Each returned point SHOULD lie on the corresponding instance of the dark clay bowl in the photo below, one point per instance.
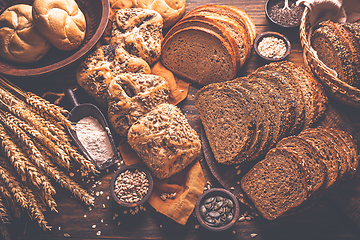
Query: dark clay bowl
(272, 34)
(271, 3)
(96, 13)
(131, 167)
(217, 192)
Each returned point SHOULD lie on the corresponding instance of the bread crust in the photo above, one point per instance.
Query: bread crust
(61, 22)
(20, 41)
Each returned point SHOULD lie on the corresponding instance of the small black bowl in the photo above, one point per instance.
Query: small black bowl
(213, 192)
(271, 3)
(132, 168)
(272, 34)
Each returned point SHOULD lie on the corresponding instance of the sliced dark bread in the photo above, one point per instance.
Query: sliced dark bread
(328, 154)
(331, 51)
(259, 123)
(352, 147)
(292, 87)
(228, 120)
(279, 85)
(339, 145)
(199, 55)
(212, 25)
(265, 114)
(310, 157)
(276, 184)
(280, 122)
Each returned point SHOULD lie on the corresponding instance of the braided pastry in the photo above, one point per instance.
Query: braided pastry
(99, 68)
(131, 96)
(139, 31)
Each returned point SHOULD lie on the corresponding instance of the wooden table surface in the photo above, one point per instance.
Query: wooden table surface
(325, 220)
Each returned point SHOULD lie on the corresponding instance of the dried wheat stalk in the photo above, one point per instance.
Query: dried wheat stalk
(4, 220)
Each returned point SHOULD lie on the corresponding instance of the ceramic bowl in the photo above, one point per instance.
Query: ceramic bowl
(96, 13)
(261, 36)
(270, 3)
(216, 192)
(131, 168)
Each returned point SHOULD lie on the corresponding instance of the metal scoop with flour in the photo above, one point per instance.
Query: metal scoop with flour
(87, 111)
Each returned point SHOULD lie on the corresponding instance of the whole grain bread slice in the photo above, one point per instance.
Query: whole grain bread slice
(328, 154)
(199, 55)
(310, 158)
(276, 184)
(228, 120)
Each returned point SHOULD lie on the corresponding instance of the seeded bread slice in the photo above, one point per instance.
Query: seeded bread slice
(276, 184)
(310, 158)
(228, 120)
(327, 152)
(333, 53)
(199, 55)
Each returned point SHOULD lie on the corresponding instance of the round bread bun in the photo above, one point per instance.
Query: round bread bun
(20, 41)
(61, 22)
(170, 10)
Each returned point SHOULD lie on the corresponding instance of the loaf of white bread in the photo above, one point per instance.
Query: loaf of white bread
(61, 22)
(20, 41)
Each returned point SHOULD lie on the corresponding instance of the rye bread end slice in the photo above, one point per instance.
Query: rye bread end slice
(328, 154)
(199, 55)
(276, 184)
(228, 120)
(311, 159)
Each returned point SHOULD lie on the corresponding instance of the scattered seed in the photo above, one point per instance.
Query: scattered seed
(90, 209)
(119, 223)
(197, 226)
(242, 218)
(103, 205)
(160, 225)
(59, 228)
(98, 233)
(71, 174)
(93, 226)
(115, 216)
(125, 212)
(85, 216)
(233, 232)
(107, 197)
(253, 235)
(102, 220)
(232, 188)
(97, 194)
(66, 235)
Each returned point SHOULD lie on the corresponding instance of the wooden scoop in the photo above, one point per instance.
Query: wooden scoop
(81, 111)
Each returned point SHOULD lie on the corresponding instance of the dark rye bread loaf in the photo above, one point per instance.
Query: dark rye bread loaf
(228, 120)
(328, 154)
(331, 50)
(310, 158)
(276, 184)
(199, 55)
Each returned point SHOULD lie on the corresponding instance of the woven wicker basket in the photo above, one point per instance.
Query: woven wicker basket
(336, 88)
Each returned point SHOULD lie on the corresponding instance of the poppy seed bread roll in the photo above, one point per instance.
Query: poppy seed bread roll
(164, 140)
(61, 22)
(20, 41)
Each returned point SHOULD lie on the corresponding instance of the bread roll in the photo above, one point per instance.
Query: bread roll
(139, 31)
(61, 22)
(20, 40)
(133, 95)
(170, 10)
(165, 141)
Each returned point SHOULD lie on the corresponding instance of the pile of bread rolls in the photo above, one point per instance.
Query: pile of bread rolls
(27, 32)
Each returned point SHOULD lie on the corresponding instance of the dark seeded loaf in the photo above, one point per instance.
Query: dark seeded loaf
(199, 55)
(276, 184)
(228, 120)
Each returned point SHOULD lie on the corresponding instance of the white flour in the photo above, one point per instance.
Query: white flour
(94, 139)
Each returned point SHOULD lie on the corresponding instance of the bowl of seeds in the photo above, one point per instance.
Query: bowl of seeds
(131, 185)
(272, 46)
(284, 13)
(217, 209)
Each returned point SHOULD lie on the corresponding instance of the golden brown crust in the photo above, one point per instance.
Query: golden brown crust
(165, 141)
(96, 72)
(20, 41)
(131, 95)
(138, 31)
(61, 22)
